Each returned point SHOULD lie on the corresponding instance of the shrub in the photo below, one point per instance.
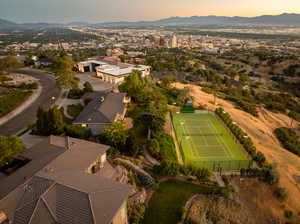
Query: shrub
(166, 145)
(74, 110)
(288, 214)
(153, 147)
(167, 168)
(135, 213)
(288, 139)
(113, 152)
(87, 87)
(146, 181)
(281, 193)
(271, 175)
(75, 93)
(76, 131)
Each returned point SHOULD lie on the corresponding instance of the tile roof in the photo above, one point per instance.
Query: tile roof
(60, 191)
(102, 109)
(61, 198)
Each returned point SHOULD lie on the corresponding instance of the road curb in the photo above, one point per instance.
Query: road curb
(22, 107)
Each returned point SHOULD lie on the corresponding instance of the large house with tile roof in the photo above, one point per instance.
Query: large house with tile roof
(57, 186)
(102, 110)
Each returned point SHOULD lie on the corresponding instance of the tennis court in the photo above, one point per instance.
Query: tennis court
(204, 141)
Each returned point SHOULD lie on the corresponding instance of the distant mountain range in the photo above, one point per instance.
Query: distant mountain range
(283, 19)
(291, 19)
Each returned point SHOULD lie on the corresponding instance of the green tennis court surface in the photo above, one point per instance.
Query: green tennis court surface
(205, 142)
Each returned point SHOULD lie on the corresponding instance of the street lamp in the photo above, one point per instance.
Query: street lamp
(52, 100)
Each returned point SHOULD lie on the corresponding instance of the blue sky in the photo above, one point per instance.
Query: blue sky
(132, 10)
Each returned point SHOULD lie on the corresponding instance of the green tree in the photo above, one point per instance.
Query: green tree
(63, 67)
(42, 122)
(244, 79)
(153, 147)
(133, 86)
(133, 145)
(115, 135)
(87, 87)
(56, 121)
(150, 121)
(49, 122)
(10, 147)
(8, 64)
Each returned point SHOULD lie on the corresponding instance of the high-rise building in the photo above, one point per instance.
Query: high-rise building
(174, 43)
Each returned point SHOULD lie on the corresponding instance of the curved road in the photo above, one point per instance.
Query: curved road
(49, 90)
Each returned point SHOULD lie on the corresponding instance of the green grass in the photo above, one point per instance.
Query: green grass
(201, 147)
(10, 99)
(166, 204)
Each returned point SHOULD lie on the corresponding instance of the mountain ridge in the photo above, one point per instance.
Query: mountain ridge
(282, 19)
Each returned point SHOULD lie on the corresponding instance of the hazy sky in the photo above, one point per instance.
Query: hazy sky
(131, 10)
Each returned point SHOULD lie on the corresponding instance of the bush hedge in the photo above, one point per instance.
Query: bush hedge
(266, 171)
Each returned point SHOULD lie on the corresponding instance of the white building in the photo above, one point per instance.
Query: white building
(112, 72)
(174, 43)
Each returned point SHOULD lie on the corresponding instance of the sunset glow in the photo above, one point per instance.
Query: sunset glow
(132, 10)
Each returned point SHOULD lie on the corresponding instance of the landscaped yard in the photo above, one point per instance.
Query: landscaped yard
(166, 204)
(11, 98)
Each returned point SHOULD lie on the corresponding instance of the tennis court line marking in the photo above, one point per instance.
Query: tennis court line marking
(222, 142)
(186, 132)
(191, 142)
(208, 124)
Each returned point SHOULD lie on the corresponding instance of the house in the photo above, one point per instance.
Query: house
(112, 72)
(102, 110)
(58, 186)
(44, 62)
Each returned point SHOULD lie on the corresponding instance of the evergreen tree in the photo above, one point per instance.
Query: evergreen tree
(88, 88)
(49, 122)
(55, 121)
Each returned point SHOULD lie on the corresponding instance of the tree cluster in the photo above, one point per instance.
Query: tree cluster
(10, 147)
(266, 170)
(8, 64)
(242, 137)
(289, 139)
(49, 122)
(170, 168)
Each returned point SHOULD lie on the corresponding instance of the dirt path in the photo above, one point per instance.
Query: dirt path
(170, 130)
(261, 131)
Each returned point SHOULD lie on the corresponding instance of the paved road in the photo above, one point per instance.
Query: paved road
(21, 121)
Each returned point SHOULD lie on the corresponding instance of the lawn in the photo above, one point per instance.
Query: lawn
(205, 141)
(166, 204)
(10, 99)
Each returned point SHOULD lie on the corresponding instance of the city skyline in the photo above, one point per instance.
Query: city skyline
(134, 10)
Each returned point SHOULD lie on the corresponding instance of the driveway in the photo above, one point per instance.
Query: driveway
(97, 84)
(49, 90)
